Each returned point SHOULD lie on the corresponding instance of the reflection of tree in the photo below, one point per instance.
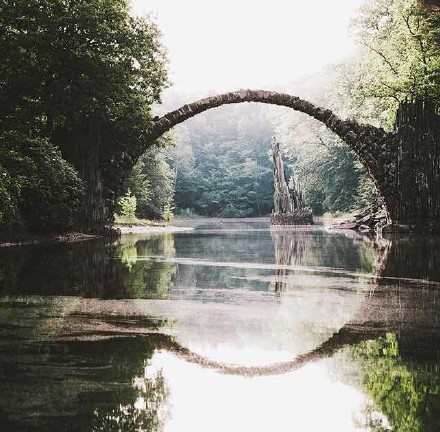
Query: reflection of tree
(98, 385)
(140, 276)
(47, 269)
(128, 254)
(143, 414)
(407, 394)
(311, 248)
(90, 268)
(138, 402)
(290, 249)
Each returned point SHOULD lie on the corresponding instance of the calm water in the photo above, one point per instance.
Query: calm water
(231, 327)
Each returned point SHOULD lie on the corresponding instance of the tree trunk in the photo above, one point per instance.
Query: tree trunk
(82, 148)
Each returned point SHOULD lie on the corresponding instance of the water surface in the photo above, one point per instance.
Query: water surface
(233, 326)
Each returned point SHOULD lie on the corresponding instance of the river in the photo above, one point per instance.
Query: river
(234, 326)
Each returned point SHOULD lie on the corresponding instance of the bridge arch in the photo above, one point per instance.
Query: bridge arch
(367, 142)
(348, 335)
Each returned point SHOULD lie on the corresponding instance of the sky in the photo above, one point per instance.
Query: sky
(225, 45)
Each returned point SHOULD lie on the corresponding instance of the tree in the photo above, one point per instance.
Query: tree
(152, 181)
(82, 74)
(128, 204)
(222, 165)
(39, 190)
(333, 180)
(399, 58)
(8, 204)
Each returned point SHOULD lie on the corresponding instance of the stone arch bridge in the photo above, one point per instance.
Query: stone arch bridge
(404, 164)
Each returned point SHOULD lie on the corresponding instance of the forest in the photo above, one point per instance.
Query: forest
(79, 82)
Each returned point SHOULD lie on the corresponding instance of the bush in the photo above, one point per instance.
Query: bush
(9, 215)
(43, 191)
(128, 204)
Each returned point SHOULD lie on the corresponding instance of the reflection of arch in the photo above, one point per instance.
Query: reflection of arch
(365, 140)
(347, 335)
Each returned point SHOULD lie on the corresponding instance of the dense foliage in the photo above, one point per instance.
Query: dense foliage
(398, 59)
(221, 163)
(152, 182)
(66, 60)
(405, 394)
(40, 188)
(81, 75)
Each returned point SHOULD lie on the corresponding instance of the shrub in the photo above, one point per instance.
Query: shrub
(128, 204)
(42, 191)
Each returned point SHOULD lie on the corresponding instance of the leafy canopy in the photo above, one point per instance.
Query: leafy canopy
(399, 58)
(80, 76)
(40, 189)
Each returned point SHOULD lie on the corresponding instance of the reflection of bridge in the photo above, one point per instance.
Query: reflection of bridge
(113, 327)
(388, 310)
(409, 311)
(347, 335)
(411, 314)
(408, 189)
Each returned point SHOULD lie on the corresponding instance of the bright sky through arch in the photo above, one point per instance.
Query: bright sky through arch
(230, 44)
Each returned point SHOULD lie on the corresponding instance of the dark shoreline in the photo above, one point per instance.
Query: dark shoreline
(34, 239)
(74, 236)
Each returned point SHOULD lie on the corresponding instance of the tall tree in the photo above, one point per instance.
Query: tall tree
(82, 74)
(399, 58)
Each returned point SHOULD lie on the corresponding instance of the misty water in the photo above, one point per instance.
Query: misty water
(234, 326)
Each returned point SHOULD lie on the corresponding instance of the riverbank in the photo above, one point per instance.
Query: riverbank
(32, 239)
(70, 237)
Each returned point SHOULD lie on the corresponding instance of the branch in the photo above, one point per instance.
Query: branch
(393, 69)
(390, 87)
(418, 38)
